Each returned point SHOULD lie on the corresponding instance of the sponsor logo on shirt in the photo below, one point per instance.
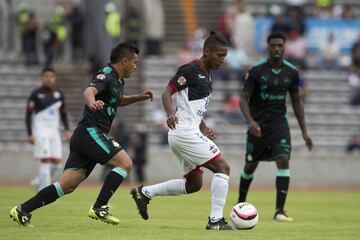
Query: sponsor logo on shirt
(41, 95)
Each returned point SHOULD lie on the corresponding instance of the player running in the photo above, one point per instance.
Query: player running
(263, 102)
(189, 137)
(91, 143)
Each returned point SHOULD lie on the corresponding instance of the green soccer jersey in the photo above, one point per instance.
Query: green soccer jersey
(268, 88)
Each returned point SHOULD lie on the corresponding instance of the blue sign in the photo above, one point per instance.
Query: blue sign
(346, 32)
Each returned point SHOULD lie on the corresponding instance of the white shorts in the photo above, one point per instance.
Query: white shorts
(193, 150)
(48, 146)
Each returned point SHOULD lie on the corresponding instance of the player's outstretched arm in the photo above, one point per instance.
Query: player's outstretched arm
(143, 96)
(89, 96)
(254, 127)
(300, 116)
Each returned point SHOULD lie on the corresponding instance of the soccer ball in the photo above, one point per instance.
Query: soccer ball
(244, 216)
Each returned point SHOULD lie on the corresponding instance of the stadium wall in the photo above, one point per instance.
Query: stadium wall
(306, 171)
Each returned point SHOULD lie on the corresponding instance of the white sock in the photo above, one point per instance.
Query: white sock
(219, 190)
(170, 188)
(44, 175)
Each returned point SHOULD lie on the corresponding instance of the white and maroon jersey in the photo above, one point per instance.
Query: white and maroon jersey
(193, 87)
(45, 108)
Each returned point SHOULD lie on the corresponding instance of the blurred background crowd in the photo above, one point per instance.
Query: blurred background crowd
(75, 37)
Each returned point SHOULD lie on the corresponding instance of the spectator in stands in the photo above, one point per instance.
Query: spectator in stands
(30, 30)
(77, 22)
(230, 109)
(347, 12)
(154, 26)
(295, 50)
(353, 144)
(354, 77)
(280, 24)
(330, 53)
(132, 23)
(49, 42)
(22, 18)
(226, 21)
(323, 9)
(243, 29)
(57, 25)
(112, 22)
(296, 20)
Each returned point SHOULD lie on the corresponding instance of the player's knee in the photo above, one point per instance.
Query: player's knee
(282, 162)
(224, 168)
(126, 164)
(68, 187)
(193, 187)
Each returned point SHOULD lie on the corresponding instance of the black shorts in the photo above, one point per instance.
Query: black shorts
(275, 141)
(89, 146)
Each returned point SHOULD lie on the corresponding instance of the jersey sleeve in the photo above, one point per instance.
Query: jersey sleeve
(30, 105)
(181, 80)
(63, 112)
(250, 81)
(99, 81)
(294, 87)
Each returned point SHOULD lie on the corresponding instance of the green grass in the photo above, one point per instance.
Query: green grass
(318, 215)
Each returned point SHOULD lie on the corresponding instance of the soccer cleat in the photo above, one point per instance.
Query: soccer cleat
(219, 225)
(281, 216)
(141, 201)
(103, 213)
(21, 217)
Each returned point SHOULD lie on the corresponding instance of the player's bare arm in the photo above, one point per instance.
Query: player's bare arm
(89, 96)
(254, 127)
(208, 132)
(143, 96)
(300, 116)
(167, 102)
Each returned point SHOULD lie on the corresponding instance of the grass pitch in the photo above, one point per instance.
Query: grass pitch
(318, 215)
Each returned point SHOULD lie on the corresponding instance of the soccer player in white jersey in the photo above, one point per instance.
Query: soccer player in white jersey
(45, 109)
(189, 137)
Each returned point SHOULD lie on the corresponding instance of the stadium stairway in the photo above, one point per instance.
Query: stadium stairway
(16, 82)
(331, 121)
(207, 13)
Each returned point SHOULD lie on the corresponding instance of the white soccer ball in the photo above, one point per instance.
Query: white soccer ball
(244, 216)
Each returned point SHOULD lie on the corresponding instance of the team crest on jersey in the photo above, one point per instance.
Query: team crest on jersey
(56, 94)
(101, 76)
(181, 80)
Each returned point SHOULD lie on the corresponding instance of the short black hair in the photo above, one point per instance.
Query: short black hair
(122, 50)
(276, 35)
(48, 69)
(215, 39)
